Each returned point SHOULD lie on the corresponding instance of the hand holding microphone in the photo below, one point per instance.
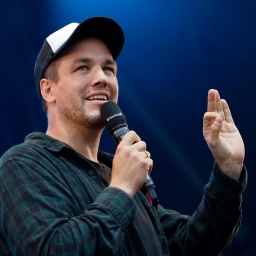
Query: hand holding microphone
(132, 163)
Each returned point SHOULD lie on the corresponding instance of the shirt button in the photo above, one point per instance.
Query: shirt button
(91, 172)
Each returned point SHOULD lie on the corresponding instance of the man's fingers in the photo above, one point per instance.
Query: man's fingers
(211, 104)
(227, 112)
(146, 153)
(219, 105)
(209, 118)
(215, 103)
(130, 138)
(150, 166)
(215, 131)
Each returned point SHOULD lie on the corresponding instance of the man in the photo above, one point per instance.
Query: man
(61, 196)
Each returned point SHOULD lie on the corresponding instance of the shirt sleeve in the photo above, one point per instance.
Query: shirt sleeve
(38, 215)
(210, 230)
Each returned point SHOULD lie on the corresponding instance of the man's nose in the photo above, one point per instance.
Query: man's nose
(99, 78)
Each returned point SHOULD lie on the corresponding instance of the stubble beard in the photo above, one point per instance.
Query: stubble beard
(80, 115)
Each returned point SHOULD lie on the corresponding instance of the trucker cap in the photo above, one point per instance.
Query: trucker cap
(103, 28)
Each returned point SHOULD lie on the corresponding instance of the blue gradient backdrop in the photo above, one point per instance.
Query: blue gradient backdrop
(175, 51)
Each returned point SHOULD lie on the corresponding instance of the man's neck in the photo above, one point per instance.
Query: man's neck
(85, 142)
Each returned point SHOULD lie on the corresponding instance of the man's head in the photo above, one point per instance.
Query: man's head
(105, 29)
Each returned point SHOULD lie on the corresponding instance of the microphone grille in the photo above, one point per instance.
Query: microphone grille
(112, 116)
(108, 109)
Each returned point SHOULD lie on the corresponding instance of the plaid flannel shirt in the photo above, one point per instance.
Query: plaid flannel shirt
(53, 203)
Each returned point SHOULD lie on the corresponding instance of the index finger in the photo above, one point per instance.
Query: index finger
(214, 102)
(130, 138)
(211, 104)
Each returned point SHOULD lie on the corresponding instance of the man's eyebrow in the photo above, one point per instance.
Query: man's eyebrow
(82, 60)
(88, 60)
(111, 62)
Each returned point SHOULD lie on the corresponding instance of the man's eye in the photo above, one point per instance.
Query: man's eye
(109, 69)
(82, 68)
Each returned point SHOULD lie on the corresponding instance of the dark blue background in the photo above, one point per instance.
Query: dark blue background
(175, 51)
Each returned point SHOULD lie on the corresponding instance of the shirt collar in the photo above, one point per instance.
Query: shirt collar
(54, 145)
(46, 141)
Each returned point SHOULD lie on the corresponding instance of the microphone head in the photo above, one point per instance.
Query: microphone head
(112, 116)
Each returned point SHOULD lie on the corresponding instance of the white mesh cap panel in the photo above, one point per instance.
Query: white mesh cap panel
(58, 38)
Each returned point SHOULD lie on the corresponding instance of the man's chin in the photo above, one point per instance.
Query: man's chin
(94, 122)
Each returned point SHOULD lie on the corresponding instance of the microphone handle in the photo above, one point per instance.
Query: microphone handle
(149, 187)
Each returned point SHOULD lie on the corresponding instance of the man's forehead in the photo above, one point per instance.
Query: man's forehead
(91, 45)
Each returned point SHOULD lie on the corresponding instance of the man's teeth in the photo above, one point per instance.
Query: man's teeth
(98, 97)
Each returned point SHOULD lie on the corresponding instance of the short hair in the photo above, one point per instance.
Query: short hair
(51, 73)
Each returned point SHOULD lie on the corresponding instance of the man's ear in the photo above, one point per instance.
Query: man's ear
(47, 90)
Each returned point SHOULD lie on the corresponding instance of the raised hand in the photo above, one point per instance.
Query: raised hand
(222, 136)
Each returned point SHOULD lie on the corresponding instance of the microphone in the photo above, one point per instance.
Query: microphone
(115, 122)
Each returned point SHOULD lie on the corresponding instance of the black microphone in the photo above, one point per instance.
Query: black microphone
(115, 122)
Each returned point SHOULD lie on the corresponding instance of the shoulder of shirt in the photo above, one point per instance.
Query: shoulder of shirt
(34, 142)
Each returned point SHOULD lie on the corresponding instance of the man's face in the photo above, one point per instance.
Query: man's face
(87, 79)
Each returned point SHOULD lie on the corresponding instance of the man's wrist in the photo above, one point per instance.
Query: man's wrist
(232, 170)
